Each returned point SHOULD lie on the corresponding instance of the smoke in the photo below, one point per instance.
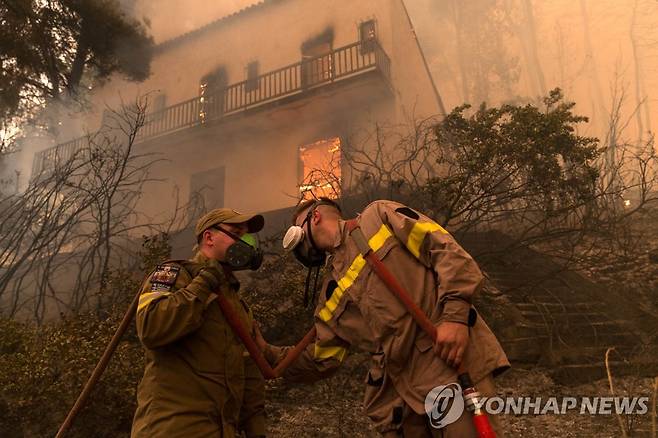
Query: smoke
(170, 18)
(491, 51)
(166, 19)
(57, 123)
(498, 51)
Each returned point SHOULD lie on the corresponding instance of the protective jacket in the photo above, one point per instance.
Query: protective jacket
(194, 378)
(356, 309)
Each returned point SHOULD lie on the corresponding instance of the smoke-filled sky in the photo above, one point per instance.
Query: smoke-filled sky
(510, 50)
(170, 18)
(596, 51)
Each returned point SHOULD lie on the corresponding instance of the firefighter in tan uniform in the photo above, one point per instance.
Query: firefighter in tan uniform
(198, 379)
(356, 308)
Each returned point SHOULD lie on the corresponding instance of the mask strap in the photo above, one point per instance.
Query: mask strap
(315, 285)
(310, 234)
(310, 270)
(228, 233)
(311, 294)
(306, 285)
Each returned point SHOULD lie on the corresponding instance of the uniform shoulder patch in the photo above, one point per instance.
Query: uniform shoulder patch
(164, 278)
(407, 212)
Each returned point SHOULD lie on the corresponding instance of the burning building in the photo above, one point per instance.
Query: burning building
(253, 110)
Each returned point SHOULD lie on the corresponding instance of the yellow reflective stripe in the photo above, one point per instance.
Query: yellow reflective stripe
(146, 298)
(375, 242)
(330, 352)
(418, 233)
(335, 298)
(351, 274)
(325, 313)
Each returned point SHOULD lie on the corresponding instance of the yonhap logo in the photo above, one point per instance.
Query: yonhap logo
(444, 405)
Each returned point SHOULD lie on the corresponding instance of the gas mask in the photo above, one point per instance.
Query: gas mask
(244, 253)
(305, 250)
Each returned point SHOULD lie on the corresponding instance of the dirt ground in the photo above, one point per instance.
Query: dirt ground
(332, 408)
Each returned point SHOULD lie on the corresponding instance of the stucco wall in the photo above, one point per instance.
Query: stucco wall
(272, 34)
(259, 149)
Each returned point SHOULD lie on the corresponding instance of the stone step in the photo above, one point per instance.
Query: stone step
(530, 349)
(542, 317)
(566, 299)
(549, 291)
(514, 276)
(593, 355)
(589, 339)
(580, 327)
(524, 349)
(574, 330)
(552, 306)
(582, 373)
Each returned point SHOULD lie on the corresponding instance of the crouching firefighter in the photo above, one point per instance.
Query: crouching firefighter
(355, 307)
(198, 380)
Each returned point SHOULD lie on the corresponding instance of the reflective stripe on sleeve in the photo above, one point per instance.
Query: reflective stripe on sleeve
(330, 352)
(418, 233)
(145, 299)
(375, 242)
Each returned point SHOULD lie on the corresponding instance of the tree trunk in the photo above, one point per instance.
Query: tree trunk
(456, 16)
(596, 90)
(79, 62)
(641, 98)
(533, 57)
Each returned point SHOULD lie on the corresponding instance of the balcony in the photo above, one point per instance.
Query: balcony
(298, 79)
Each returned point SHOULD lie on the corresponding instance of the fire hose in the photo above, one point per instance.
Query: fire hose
(470, 394)
(255, 353)
(100, 367)
(236, 326)
(472, 397)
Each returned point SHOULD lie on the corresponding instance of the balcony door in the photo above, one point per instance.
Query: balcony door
(211, 95)
(317, 64)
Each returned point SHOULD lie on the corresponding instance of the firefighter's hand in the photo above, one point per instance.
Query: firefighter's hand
(451, 341)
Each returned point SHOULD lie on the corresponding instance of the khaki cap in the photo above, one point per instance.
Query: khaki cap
(255, 222)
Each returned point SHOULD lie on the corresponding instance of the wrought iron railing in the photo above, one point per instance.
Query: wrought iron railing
(297, 78)
(47, 159)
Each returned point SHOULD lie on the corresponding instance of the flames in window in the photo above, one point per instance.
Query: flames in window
(320, 169)
(203, 88)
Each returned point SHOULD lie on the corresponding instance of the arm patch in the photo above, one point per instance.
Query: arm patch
(407, 212)
(164, 278)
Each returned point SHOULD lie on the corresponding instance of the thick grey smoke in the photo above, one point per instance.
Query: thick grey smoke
(494, 51)
(167, 19)
(170, 18)
(506, 51)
